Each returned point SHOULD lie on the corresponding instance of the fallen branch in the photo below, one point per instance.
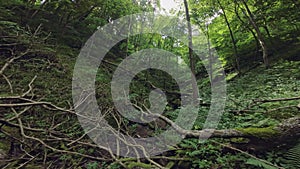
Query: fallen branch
(276, 100)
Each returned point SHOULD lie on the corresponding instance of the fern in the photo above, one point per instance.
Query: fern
(258, 163)
(189, 144)
(292, 157)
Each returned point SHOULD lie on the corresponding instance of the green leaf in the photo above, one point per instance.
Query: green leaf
(259, 163)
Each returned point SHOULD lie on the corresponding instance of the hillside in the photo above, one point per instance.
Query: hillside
(58, 113)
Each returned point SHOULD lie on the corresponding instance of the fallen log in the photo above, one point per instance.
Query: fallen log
(289, 128)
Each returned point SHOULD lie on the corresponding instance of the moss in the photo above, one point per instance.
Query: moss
(139, 164)
(264, 133)
(240, 140)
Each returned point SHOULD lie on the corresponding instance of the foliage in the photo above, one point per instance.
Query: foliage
(44, 37)
(292, 157)
(271, 16)
(260, 164)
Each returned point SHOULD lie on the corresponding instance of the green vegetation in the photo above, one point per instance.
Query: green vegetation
(264, 133)
(256, 41)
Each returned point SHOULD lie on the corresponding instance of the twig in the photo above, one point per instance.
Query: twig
(279, 108)
(29, 86)
(275, 100)
(12, 60)
(9, 83)
(28, 161)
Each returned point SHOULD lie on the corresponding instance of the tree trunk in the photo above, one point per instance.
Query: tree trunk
(232, 37)
(259, 35)
(191, 58)
(253, 33)
(288, 129)
(209, 54)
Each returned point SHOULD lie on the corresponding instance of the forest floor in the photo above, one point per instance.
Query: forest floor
(254, 99)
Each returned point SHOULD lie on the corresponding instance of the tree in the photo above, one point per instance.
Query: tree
(191, 57)
(231, 36)
(260, 36)
(247, 27)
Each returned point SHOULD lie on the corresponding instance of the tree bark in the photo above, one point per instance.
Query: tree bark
(252, 32)
(288, 129)
(191, 58)
(231, 36)
(259, 35)
(209, 54)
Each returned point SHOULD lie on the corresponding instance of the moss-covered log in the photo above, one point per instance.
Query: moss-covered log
(257, 139)
(289, 128)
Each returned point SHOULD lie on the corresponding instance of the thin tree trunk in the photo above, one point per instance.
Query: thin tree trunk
(253, 33)
(192, 61)
(259, 35)
(269, 36)
(231, 36)
(209, 54)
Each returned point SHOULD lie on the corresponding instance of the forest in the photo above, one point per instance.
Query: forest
(130, 84)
